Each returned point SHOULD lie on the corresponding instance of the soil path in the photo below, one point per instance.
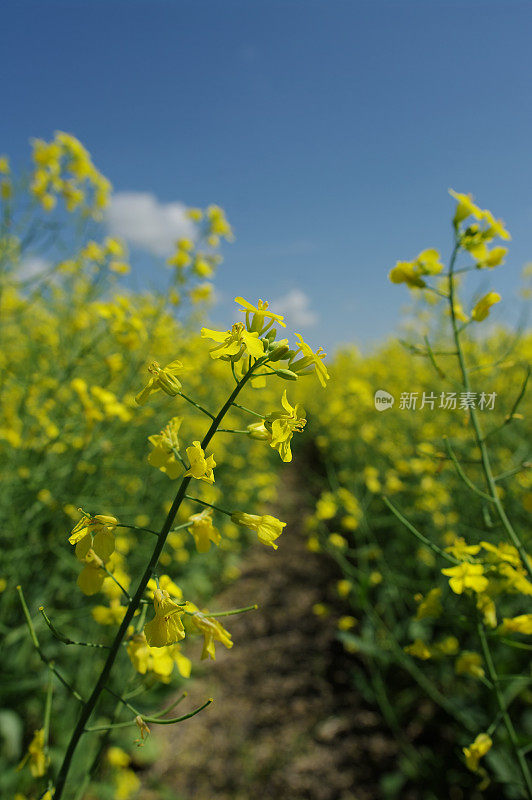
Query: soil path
(285, 723)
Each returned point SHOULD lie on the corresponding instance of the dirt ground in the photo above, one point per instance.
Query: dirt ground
(285, 722)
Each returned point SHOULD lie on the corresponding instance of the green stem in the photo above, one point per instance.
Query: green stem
(90, 704)
(196, 405)
(151, 720)
(492, 672)
(48, 706)
(171, 706)
(248, 410)
(480, 439)
(44, 658)
(62, 637)
(418, 535)
(225, 613)
(124, 591)
(209, 505)
(462, 474)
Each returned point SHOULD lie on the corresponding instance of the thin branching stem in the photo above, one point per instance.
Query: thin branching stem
(479, 436)
(90, 704)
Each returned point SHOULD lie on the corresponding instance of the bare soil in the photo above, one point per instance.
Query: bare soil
(286, 722)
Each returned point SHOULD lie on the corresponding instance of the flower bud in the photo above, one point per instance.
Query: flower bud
(278, 352)
(257, 430)
(287, 374)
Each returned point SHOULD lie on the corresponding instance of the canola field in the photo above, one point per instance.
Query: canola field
(143, 454)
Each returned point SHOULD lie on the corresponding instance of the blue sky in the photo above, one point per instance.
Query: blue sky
(329, 131)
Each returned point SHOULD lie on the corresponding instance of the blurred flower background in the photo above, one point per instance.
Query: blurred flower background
(158, 161)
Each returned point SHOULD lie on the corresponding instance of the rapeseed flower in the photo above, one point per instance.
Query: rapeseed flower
(310, 359)
(203, 530)
(466, 576)
(476, 751)
(520, 624)
(260, 313)
(469, 663)
(166, 626)
(482, 307)
(38, 759)
(268, 528)
(201, 467)
(282, 426)
(164, 378)
(234, 342)
(213, 631)
(430, 605)
(165, 449)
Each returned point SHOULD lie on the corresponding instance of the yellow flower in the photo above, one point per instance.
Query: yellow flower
(346, 623)
(201, 293)
(113, 614)
(181, 258)
(165, 446)
(268, 528)
(126, 784)
(218, 224)
(411, 272)
(201, 468)
(482, 308)
(520, 624)
(326, 507)
(94, 553)
(204, 531)
(282, 426)
(99, 523)
(459, 549)
(476, 751)
(466, 576)
(203, 267)
(492, 258)
(495, 227)
(93, 252)
(465, 208)
(117, 757)
(405, 272)
(162, 378)
(418, 649)
(212, 631)
(4, 165)
(446, 647)
(38, 759)
(344, 587)
(310, 359)
(260, 313)
(234, 342)
(166, 583)
(486, 606)
(114, 247)
(429, 606)
(337, 540)
(502, 552)
(166, 626)
(469, 664)
(158, 661)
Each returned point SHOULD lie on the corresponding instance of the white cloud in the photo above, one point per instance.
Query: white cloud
(295, 305)
(142, 220)
(31, 267)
